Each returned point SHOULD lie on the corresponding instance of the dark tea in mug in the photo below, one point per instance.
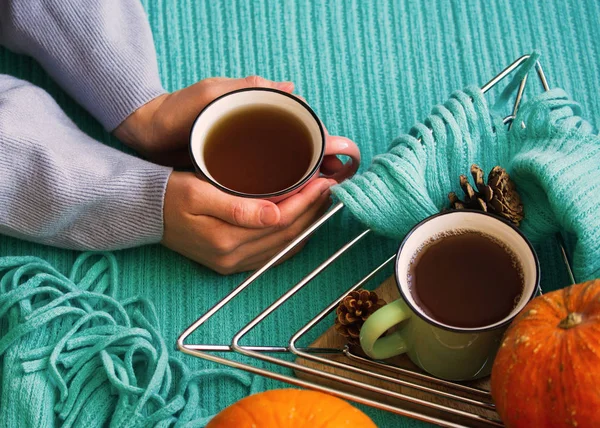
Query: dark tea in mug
(466, 279)
(258, 150)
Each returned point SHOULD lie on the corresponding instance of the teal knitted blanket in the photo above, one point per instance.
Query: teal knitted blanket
(93, 360)
(370, 69)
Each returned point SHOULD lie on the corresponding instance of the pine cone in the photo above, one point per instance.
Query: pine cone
(353, 311)
(498, 196)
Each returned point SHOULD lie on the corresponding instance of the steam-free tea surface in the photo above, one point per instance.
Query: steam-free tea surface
(466, 279)
(258, 150)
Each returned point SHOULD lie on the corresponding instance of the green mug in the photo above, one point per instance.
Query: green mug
(445, 351)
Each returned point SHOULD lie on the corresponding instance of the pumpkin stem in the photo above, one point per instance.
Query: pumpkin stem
(572, 320)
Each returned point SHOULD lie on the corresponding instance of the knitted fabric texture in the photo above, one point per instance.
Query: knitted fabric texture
(551, 159)
(369, 69)
(74, 355)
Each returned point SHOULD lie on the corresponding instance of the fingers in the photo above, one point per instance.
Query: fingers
(261, 82)
(242, 212)
(231, 234)
(256, 253)
(296, 213)
(187, 102)
(290, 209)
(282, 237)
(293, 207)
(215, 87)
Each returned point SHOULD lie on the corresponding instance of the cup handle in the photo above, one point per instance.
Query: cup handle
(379, 322)
(343, 146)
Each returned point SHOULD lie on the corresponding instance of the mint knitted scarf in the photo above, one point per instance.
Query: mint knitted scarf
(554, 160)
(74, 355)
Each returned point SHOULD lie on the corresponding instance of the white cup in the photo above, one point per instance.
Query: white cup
(247, 97)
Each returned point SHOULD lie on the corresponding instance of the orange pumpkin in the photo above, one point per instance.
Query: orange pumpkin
(547, 371)
(283, 408)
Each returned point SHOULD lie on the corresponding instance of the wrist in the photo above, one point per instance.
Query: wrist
(137, 130)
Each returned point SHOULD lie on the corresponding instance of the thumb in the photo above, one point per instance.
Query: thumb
(259, 82)
(242, 212)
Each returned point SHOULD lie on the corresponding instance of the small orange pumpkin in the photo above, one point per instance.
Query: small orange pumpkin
(547, 371)
(287, 408)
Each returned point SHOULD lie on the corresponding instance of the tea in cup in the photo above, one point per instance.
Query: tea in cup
(463, 276)
(264, 143)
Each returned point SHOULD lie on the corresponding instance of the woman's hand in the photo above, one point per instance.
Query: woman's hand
(223, 232)
(231, 234)
(160, 129)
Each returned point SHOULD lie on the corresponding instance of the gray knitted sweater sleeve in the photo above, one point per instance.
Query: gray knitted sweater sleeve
(57, 185)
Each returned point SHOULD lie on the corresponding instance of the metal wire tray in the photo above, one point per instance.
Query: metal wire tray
(437, 401)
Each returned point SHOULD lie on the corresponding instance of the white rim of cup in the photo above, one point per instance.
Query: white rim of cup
(503, 322)
(300, 183)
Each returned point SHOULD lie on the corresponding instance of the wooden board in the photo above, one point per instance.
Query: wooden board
(330, 339)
